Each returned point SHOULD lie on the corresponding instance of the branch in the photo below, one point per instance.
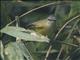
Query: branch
(31, 11)
(47, 54)
(53, 3)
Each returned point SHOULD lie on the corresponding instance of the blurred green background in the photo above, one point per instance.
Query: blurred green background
(63, 12)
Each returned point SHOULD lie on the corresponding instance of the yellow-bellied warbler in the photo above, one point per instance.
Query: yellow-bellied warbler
(43, 26)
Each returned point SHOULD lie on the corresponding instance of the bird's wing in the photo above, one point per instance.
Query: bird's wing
(40, 24)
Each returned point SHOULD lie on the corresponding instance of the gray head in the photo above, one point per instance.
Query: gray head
(52, 18)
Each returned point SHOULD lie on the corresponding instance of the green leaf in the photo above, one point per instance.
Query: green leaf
(17, 51)
(13, 52)
(26, 35)
(2, 50)
(25, 51)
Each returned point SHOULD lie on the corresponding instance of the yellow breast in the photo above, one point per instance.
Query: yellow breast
(42, 26)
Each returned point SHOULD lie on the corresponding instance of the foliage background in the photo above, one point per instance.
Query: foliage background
(68, 40)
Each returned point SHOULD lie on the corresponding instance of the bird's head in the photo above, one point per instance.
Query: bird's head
(52, 18)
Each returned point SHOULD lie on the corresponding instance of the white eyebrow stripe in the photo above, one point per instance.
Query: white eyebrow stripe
(51, 18)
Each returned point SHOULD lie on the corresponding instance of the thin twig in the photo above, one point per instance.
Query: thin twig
(17, 25)
(32, 11)
(53, 3)
(67, 43)
(39, 8)
(60, 52)
(65, 25)
(68, 57)
(48, 52)
(71, 30)
(69, 35)
(59, 33)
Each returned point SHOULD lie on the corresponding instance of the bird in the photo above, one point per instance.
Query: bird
(43, 26)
